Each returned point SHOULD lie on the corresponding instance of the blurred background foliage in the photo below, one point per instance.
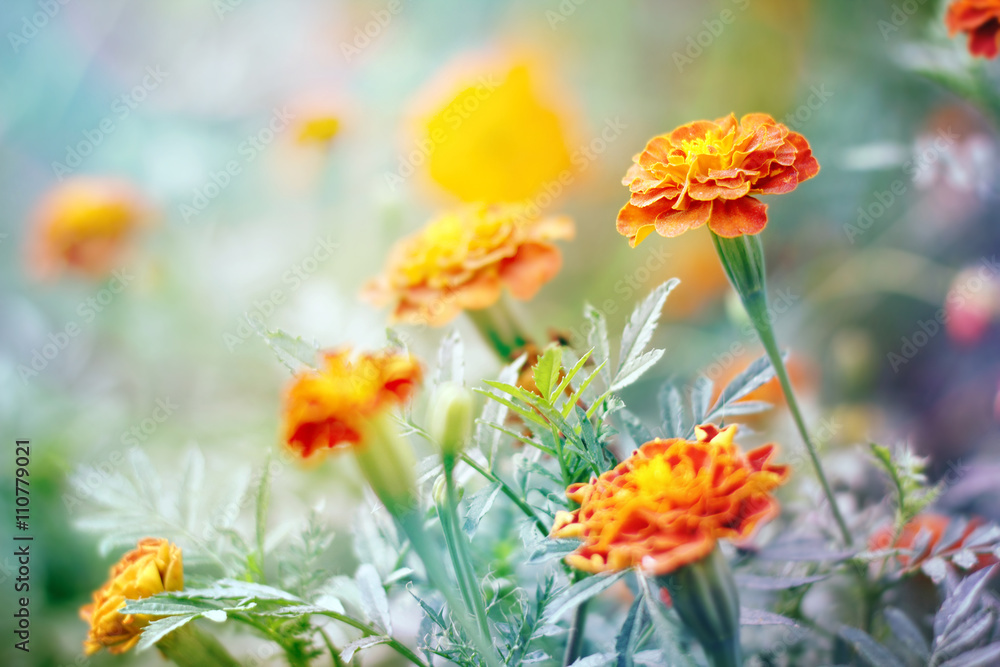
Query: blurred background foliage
(199, 78)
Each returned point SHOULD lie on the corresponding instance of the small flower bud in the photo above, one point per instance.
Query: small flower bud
(451, 418)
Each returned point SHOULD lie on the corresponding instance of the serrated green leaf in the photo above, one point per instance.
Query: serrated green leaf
(580, 592)
(642, 323)
(294, 352)
(159, 629)
(869, 650)
(546, 371)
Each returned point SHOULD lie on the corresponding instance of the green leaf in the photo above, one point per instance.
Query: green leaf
(642, 323)
(347, 653)
(909, 635)
(451, 360)
(568, 408)
(672, 412)
(634, 368)
(569, 377)
(762, 617)
(757, 374)
(373, 598)
(701, 397)
(869, 650)
(294, 353)
(232, 589)
(495, 412)
(580, 592)
(760, 583)
(597, 338)
(159, 629)
(628, 636)
(546, 371)
(479, 504)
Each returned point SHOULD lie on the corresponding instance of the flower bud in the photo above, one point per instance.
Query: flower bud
(451, 418)
(705, 597)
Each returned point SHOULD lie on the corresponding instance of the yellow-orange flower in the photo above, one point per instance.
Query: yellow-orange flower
(980, 19)
(333, 406)
(84, 225)
(706, 173)
(668, 504)
(493, 137)
(464, 259)
(154, 566)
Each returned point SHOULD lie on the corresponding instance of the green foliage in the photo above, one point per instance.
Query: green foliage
(906, 473)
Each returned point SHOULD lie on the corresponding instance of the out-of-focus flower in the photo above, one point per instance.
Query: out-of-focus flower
(925, 532)
(464, 259)
(154, 566)
(334, 406)
(84, 225)
(973, 302)
(319, 129)
(980, 20)
(494, 137)
(705, 172)
(667, 505)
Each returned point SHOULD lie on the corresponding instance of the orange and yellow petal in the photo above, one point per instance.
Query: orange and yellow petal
(670, 502)
(332, 406)
(980, 20)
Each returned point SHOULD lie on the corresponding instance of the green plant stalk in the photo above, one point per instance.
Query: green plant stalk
(575, 639)
(705, 597)
(509, 492)
(458, 548)
(743, 260)
(387, 463)
(500, 329)
(187, 646)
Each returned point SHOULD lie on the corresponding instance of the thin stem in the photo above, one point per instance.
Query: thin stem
(575, 639)
(757, 307)
(500, 328)
(369, 631)
(334, 653)
(458, 547)
(187, 646)
(509, 492)
(742, 258)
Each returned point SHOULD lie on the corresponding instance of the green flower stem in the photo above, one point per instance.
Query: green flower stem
(575, 640)
(387, 463)
(529, 512)
(743, 260)
(500, 328)
(369, 631)
(412, 525)
(705, 597)
(458, 548)
(187, 646)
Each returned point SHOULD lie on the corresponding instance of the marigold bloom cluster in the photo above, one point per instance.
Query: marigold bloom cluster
(705, 173)
(332, 406)
(464, 259)
(668, 504)
(154, 566)
(980, 20)
(84, 225)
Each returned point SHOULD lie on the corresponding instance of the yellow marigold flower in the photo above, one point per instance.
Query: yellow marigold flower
(154, 566)
(668, 504)
(705, 172)
(334, 406)
(84, 225)
(464, 259)
(495, 138)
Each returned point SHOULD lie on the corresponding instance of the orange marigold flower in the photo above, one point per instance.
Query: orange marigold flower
(154, 566)
(980, 19)
(668, 504)
(334, 405)
(84, 225)
(705, 172)
(464, 259)
(934, 526)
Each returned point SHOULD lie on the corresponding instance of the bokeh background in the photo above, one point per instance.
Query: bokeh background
(862, 258)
